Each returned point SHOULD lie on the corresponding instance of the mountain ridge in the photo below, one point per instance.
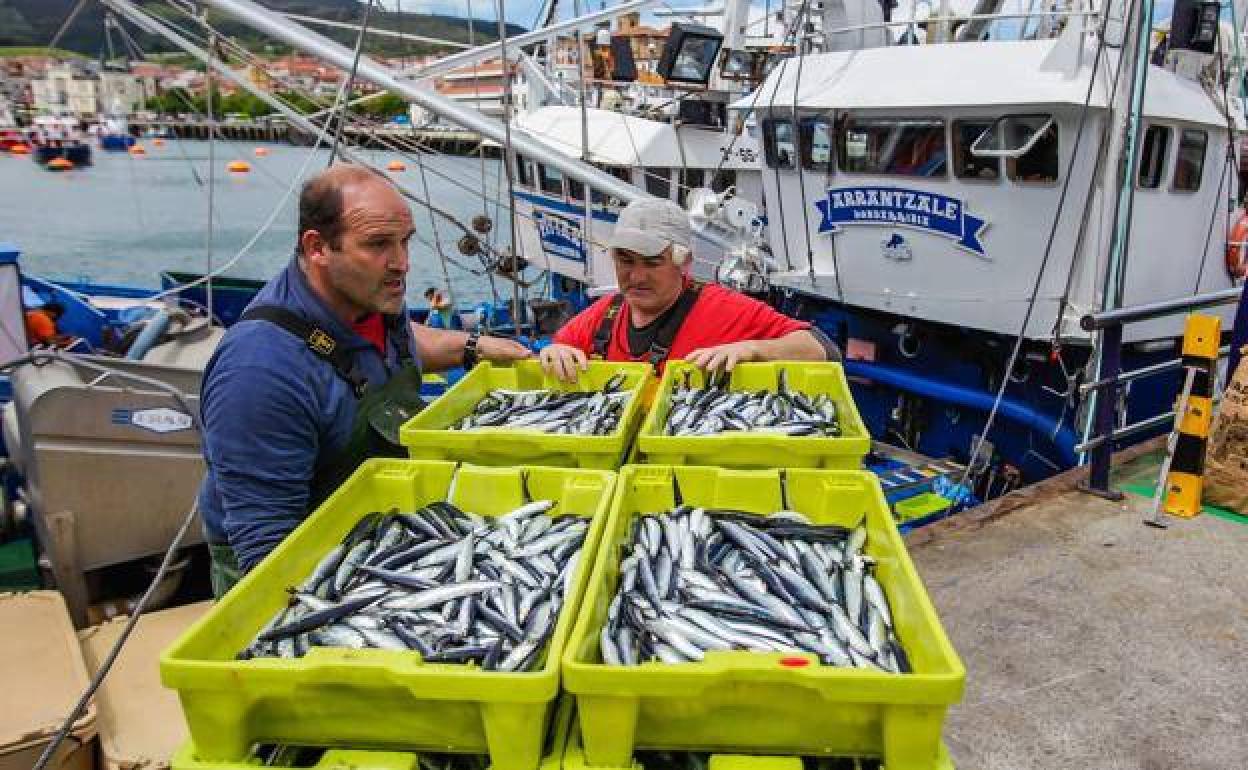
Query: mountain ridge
(34, 23)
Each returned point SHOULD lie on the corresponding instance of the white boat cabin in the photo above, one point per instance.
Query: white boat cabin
(665, 160)
(923, 181)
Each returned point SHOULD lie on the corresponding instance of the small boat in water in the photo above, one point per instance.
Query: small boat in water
(114, 131)
(74, 152)
(59, 137)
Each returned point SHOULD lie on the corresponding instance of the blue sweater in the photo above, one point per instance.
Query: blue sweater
(275, 415)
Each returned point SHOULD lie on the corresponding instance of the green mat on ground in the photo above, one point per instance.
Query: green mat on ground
(1149, 488)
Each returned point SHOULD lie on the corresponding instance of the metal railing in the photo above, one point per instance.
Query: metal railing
(1100, 442)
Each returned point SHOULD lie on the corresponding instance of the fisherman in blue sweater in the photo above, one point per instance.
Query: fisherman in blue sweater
(320, 371)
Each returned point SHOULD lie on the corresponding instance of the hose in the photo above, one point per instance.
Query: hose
(1062, 437)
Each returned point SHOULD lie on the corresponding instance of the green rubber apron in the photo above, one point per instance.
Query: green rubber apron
(381, 410)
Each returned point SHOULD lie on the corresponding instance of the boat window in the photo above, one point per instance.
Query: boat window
(816, 136)
(778, 146)
(659, 182)
(1012, 136)
(1039, 164)
(524, 170)
(576, 189)
(1190, 160)
(903, 146)
(690, 179)
(550, 179)
(724, 178)
(1153, 157)
(967, 165)
(619, 172)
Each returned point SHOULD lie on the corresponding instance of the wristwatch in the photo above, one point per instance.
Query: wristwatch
(470, 349)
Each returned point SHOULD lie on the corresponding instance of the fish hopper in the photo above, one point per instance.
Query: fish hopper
(108, 456)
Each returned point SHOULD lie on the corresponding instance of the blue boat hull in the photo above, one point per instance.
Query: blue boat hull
(116, 142)
(932, 393)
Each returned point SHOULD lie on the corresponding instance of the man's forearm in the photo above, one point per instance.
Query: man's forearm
(440, 349)
(795, 346)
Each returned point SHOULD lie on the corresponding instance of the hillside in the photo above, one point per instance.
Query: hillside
(34, 22)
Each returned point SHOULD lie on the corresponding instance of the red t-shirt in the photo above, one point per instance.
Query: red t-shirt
(719, 316)
(372, 328)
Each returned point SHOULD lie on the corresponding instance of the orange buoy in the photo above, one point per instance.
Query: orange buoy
(158, 142)
(20, 149)
(60, 164)
(396, 165)
(262, 151)
(238, 166)
(138, 149)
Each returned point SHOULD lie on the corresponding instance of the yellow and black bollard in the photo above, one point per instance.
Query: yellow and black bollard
(1179, 490)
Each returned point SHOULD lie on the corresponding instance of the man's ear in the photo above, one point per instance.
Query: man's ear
(313, 245)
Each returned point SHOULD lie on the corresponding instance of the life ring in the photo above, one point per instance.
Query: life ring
(1237, 246)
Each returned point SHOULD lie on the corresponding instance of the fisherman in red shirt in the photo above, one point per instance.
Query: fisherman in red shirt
(660, 313)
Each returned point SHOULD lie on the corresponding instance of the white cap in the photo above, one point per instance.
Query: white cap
(649, 225)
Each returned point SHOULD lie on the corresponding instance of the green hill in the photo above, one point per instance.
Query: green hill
(34, 22)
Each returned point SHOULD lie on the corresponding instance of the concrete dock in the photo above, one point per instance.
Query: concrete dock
(1091, 641)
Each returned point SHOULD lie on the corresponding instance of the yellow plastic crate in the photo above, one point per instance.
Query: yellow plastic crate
(428, 435)
(759, 450)
(377, 699)
(747, 702)
(557, 739)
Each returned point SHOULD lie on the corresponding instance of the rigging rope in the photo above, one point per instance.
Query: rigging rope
(1048, 253)
(348, 82)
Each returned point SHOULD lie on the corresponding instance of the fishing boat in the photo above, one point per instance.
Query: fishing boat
(927, 220)
(59, 136)
(113, 132)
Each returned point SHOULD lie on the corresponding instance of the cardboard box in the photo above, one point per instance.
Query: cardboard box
(140, 722)
(43, 677)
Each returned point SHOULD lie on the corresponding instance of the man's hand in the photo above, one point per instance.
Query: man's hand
(564, 362)
(722, 358)
(500, 350)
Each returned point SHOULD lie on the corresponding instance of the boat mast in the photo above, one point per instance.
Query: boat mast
(270, 23)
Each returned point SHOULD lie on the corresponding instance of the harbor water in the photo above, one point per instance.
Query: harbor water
(126, 218)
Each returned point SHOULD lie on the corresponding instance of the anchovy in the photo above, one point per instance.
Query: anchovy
(714, 409)
(582, 413)
(449, 585)
(769, 583)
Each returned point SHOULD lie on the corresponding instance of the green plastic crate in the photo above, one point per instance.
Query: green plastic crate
(376, 699)
(187, 757)
(574, 759)
(759, 450)
(922, 504)
(428, 436)
(747, 702)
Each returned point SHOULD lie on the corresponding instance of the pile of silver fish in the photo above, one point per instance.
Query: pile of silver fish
(694, 580)
(582, 413)
(715, 409)
(454, 586)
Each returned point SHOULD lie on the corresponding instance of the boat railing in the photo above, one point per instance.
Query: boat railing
(1101, 439)
(959, 19)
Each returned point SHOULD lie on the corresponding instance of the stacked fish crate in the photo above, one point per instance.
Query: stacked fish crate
(752, 595)
(741, 589)
(425, 606)
(519, 415)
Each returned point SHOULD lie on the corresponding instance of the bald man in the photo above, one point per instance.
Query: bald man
(320, 371)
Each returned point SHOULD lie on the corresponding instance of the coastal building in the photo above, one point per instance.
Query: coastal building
(86, 91)
(483, 87)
